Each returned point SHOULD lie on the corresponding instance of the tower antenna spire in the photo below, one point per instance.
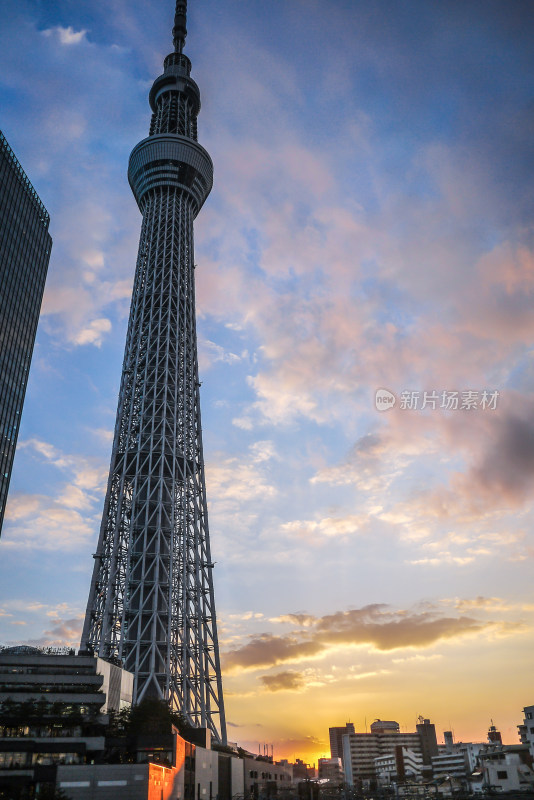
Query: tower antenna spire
(179, 32)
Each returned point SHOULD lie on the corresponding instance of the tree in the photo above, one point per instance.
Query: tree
(149, 716)
(50, 792)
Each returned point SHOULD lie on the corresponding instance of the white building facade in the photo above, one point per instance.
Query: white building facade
(361, 749)
(526, 730)
(403, 764)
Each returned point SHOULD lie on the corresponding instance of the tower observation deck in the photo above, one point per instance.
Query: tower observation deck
(151, 603)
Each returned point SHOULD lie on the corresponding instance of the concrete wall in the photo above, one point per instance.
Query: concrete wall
(117, 686)
(163, 784)
(529, 725)
(154, 781)
(238, 778)
(104, 781)
(206, 774)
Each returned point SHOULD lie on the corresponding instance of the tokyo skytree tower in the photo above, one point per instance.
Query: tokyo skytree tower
(151, 605)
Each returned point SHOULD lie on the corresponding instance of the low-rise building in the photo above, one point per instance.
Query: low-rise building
(53, 710)
(453, 765)
(461, 759)
(385, 726)
(263, 776)
(330, 769)
(188, 772)
(402, 765)
(302, 771)
(58, 675)
(526, 730)
(506, 768)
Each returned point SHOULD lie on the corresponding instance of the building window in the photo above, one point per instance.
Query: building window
(502, 774)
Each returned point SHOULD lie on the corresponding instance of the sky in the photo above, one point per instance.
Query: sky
(370, 228)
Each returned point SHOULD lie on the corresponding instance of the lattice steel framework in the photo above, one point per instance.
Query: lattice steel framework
(151, 605)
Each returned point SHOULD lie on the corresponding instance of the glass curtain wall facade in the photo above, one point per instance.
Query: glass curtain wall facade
(25, 246)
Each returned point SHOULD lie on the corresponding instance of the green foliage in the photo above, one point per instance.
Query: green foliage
(47, 791)
(149, 716)
(50, 792)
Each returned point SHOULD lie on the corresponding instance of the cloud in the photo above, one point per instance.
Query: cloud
(329, 527)
(245, 615)
(40, 523)
(93, 333)
(80, 178)
(65, 633)
(239, 488)
(490, 604)
(87, 474)
(233, 480)
(267, 650)
(391, 630)
(504, 469)
(477, 502)
(384, 247)
(263, 451)
(37, 521)
(21, 506)
(67, 36)
(283, 681)
(303, 620)
(62, 633)
(105, 434)
(210, 353)
(376, 626)
(248, 725)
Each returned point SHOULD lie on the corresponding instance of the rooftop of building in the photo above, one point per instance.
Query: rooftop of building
(24, 180)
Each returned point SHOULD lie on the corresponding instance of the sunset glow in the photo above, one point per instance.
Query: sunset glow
(370, 228)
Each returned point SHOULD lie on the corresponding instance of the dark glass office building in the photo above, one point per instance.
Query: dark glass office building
(25, 246)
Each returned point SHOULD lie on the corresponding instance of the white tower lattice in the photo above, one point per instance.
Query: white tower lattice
(151, 604)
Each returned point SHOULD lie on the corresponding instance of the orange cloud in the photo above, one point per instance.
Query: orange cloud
(374, 625)
(283, 681)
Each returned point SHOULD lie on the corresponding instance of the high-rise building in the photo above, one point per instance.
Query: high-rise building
(336, 739)
(429, 742)
(151, 604)
(25, 246)
(361, 749)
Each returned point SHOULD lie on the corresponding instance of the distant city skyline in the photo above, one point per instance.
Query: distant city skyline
(370, 228)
